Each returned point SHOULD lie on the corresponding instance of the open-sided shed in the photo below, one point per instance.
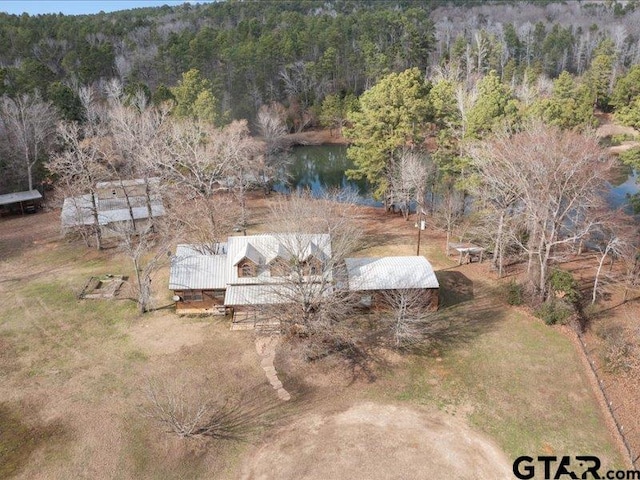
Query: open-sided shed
(20, 202)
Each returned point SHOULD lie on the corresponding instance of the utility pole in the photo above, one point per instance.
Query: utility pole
(421, 224)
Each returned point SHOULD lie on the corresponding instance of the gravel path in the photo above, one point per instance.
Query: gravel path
(266, 348)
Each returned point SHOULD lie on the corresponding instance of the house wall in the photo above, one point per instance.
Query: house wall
(247, 266)
(212, 301)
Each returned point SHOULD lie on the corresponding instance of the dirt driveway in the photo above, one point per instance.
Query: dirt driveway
(372, 441)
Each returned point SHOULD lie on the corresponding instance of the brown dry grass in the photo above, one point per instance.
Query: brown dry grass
(75, 368)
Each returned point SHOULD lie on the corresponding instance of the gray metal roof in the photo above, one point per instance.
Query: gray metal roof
(78, 211)
(128, 183)
(9, 198)
(269, 247)
(390, 273)
(242, 295)
(191, 270)
(250, 252)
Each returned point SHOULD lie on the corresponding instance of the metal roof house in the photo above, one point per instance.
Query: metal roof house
(247, 273)
(199, 280)
(252, 272)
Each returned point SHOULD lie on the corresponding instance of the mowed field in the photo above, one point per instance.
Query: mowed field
(497, 384)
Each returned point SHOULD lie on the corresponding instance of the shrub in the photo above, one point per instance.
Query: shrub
(563, 284)
(553, 312)
(514, 293)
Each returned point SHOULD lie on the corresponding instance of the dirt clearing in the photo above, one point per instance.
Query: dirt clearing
(372, 441)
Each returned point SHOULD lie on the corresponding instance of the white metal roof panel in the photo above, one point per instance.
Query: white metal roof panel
(78, 211)
(270, 246)
(390, 273)
(192, 270)
(16, 197)
(243, 295)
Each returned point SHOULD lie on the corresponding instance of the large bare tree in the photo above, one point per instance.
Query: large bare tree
(313, 297)
(410, 175)
(77, 169)
(558, 177)
(30, 124)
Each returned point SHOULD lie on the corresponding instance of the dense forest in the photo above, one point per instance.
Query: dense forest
(310, 61)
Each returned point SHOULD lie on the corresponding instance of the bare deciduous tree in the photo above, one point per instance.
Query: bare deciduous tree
(187, 414)
(149, 249)
(78, 169)
(558, 177)
(408, 180)
(30, 123)
(310, 294)
(243, 163)
(272, 126)
(409, 317)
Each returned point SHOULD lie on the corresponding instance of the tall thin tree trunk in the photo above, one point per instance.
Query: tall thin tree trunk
(96, 220)
(595, 281)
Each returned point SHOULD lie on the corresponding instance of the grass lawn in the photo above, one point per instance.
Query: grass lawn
(72, 371)
(512, 377)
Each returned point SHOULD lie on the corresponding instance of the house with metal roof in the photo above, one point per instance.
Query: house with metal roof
(199, 279)
(249, 275)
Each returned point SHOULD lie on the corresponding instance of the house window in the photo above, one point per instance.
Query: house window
(192, 296)
(246, 270)
(312, 267)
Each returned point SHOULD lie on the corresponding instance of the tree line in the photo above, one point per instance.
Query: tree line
(414, 124)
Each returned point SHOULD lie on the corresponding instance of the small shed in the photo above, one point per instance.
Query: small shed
(373, 277)
(20, 202)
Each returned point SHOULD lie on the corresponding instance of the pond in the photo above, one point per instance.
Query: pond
(622, 185)
(322, 167)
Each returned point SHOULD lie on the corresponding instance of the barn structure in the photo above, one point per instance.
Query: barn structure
(115, 204)
(249, 275)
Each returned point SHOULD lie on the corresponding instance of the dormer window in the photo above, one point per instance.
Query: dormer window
(247, 268)
(312, 266)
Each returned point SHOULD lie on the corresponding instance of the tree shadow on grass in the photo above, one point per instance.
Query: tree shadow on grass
(458, 325)
(455, 288)
(237, 418)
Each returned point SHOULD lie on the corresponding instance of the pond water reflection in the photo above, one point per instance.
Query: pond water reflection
(322, 167)
(623, 185)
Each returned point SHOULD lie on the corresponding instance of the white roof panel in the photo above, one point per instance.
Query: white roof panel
(16, 197)
(191, 270)
(78, 211)
(241, 295)
(390, 273)
(270, 246)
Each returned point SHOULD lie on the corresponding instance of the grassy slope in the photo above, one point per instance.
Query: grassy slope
(64, 361)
